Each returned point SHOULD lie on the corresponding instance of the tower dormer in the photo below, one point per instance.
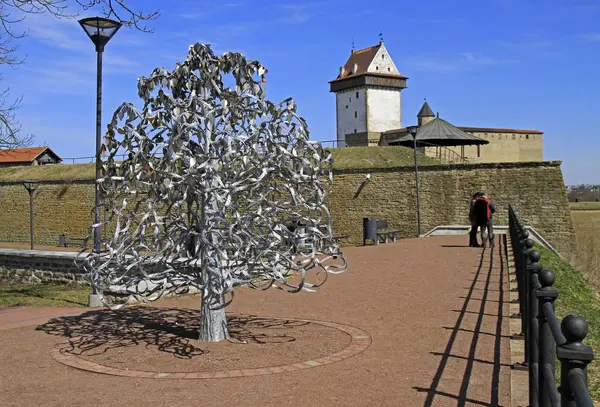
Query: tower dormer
(425, 115)
(368, 93)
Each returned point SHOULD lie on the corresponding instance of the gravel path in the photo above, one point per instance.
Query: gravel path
(436, 311)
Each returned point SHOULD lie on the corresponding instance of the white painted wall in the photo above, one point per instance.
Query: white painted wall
(385, 109)
(346, 104)
(382, 63)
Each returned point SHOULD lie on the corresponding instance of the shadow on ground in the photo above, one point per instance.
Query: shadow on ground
(483, 275)
(170, 330)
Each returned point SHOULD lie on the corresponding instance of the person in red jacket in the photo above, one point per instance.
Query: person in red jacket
(482, 214)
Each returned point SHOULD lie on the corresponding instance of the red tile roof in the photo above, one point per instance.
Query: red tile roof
(492, 130)
(23, 155)
(477, 130)
(363, 58)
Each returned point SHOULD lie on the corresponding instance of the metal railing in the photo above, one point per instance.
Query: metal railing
(444, 154)
(91, 159)
(84, 160)
(544, 336)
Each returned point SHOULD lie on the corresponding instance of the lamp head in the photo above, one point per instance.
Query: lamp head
(100, 30)
(31, 185)
(412, 130)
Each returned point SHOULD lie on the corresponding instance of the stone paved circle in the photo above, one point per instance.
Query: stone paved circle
(359, 342)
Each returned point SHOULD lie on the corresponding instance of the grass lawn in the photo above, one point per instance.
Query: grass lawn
(377, 157)
(584, 206)
(577, 296)
(586, 257)
(20, 295)
(355, 157)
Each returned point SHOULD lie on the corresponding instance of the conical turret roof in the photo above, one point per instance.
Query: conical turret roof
(425, 111)
(439, 132)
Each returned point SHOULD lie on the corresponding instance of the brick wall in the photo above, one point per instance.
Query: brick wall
(58, 207)
(536, 189)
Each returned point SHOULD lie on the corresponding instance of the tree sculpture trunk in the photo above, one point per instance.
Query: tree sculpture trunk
(213, 321)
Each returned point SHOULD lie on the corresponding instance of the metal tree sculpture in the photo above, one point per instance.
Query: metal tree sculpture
(213, 177)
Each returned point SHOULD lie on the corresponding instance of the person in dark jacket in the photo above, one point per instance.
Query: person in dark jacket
(473, 231)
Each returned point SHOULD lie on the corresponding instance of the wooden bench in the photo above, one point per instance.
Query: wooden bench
(337, 238)
(66, 241)
(383, 232)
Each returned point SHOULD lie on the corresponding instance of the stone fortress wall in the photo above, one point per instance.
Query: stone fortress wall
(536, 189)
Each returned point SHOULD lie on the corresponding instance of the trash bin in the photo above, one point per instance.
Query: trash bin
(369, 229)
(300, 235)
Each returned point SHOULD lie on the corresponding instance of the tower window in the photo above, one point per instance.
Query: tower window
(357, 95)
(382, 56)
(478, 150)
(346, 106)
(389, 69)
(355, 130)
(527, 136)
(377, 68)
(514, 137)
(349, 99)
(355, 114)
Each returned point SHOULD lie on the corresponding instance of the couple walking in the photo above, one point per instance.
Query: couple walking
(481, 213)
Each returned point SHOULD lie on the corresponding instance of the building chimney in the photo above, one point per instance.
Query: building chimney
(354, 68)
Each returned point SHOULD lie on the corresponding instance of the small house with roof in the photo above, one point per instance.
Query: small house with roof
(28, 156)
(368, 93)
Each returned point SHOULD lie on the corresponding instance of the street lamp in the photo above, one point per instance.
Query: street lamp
(413, 132)
(31, 186)
(100, 30)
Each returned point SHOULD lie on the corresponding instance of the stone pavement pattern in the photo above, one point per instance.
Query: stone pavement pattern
(430, 305)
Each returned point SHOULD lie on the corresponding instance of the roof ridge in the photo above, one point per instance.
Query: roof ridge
(367, 49)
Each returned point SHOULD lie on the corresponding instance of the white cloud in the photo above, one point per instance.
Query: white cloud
(194, 16)
(294, 14)
(458, 62)
(591, 37)
(61, 33)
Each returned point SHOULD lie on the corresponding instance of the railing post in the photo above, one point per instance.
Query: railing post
(524, 294)
(574, 357)
(532, 339)
(546, 295)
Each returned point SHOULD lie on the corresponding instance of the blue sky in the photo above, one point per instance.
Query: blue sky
(530, 64)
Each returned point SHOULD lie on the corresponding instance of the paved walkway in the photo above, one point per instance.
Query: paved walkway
(436, 311)
(17, 317)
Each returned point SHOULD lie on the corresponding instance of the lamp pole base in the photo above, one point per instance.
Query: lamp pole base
(94, 301)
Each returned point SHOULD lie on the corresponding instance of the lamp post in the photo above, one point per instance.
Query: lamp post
(100, 30)
(31, 186)
(413, 132)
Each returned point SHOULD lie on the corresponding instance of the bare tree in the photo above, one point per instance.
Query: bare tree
(221, 188)
(13, 12)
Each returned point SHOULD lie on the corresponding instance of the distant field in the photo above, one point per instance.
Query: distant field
(587, 254)
(585, 206)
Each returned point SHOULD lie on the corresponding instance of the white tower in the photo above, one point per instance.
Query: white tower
(367, 94)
